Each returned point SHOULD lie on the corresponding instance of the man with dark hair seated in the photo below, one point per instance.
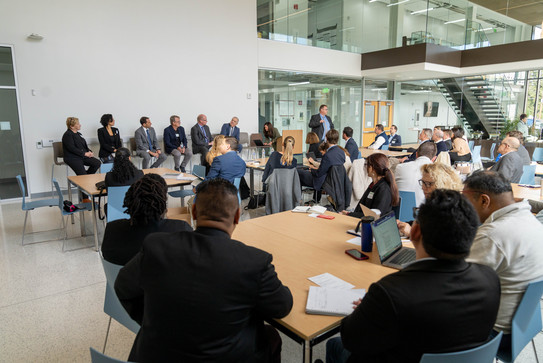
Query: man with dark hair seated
(439, 303)
(228, 165)
(509, 240)
(201, 296)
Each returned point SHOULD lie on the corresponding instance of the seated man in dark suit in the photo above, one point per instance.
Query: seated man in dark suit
(394, 139)
(350, 144)
(440, 303)
(228, 165)
(201, 138)
(333, 156)
(194, 300)
(424, 136)
(231, 129)
(437, 138)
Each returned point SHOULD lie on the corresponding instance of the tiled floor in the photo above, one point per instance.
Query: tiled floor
(51, 303)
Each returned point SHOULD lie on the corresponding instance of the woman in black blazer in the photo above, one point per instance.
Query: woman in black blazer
(76, 152)
(109, 138)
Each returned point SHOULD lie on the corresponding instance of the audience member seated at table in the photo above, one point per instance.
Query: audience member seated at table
(214, 150)
(394, 139)
(323, 147)
(228, 165)
(231, 129)
(123, 172)
(381, 138)
(350, 144)
(76, 152)
(145, 202)
(316, 175)
(440, 303)
(437, 138)
(109, 138)
(424, 136)
(434, 176)
(460, 149)
(312, 139)
(281, 160)
(510, 163)
(508, 240)
(522, 152)
(382, 194)
(271, 134)
(202, 296)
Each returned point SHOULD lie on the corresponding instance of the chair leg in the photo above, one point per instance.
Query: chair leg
(65, 233)
(535, 351)
(107, 334)
(24, 228)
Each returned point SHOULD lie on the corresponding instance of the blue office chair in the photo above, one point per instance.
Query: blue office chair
(97, 357)
(526, 322)
(115, 200)
(197, 170)
(482, 354)
(406, 208)
(359, 154)
(396, 209)
(112, 305)
(82, 207)
(538, 154)
(476, 154)
(528, 175)
(236, 184)
(491, 158)
(27, 206)
(385, 147)
(471, 143)
(104, 168)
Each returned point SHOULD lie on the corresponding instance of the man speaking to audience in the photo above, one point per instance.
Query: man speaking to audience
(201, 296)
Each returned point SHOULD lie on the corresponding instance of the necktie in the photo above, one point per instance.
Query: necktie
(231, 130)
(149, 140)
(204, 132)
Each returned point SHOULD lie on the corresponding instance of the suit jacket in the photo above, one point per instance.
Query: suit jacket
(225, 130)
(441, 146)
(200, 296)
(510, 166)
(413, 156)
(407, 177)
(170, 140)
(334, 156)
(449, 144)
(396, 140)
(198, 138)
(141, 139)
(74, 145)
(352, 148)
(317, 127)
(431, 306)
(108, 143)
(228, 166)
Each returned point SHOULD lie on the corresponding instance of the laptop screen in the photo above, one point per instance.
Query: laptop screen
(386, 234)
(299, 159)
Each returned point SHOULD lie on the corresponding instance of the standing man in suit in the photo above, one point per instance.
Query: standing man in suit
(194, 300)
(381, 138)
(147, 144)
(350, 144)
(394, 139)
(427, 306)
(321, 123)
(201, 138)
(228, 165)
(175, 142)
(437, 138)
(231, 129)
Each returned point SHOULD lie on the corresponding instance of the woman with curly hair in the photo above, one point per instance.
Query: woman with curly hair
(123, 172)
(145, 202)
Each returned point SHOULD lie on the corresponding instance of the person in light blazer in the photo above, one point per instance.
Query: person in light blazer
(147, 144)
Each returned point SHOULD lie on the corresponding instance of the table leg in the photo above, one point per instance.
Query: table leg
(82, 224)
(94, 226)
(307, 352)
(252, 182)
(70, 198)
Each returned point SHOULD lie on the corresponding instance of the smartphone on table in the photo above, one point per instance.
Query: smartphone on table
(356, 254)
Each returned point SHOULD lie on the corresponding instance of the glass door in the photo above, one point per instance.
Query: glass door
(12, 161)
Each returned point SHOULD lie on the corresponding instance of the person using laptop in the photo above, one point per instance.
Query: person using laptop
(280, 160)
(439, 303)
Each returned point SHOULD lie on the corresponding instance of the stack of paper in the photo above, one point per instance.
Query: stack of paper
(333, 297)
(314, 209)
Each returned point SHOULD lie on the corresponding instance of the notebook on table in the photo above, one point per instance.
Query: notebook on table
(389, 243)
(328, 301)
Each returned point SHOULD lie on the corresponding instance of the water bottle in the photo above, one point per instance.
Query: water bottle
(263, 153)
(366, 233)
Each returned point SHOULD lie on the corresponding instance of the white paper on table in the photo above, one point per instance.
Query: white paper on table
(355, 241)
(313, 215)
(328, 280)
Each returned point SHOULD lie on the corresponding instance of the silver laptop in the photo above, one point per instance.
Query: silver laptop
(389, 243)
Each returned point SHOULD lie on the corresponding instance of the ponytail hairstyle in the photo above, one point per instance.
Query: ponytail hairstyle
(288, 146)
(379, 163)
(123, 169)
(214, 151)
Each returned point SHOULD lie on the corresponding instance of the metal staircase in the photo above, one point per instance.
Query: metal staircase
(476, 103)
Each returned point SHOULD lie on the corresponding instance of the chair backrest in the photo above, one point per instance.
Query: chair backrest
(359, 154)
(471, 143)
(23, 190)
(112, 305)
(97, 357)
(58, 152)
(60, 196)
(104, 168)
(385, 147)
(284, 190)
(254, 137)
(476, 154)
(481, 354)
(443, 158)
(526, 322)
(406, 208)
(132, 145)
(538, 154)
(237, 181)
(243, 138)
(396, 208)
(528, 175)
(115, 200)
(492, 148)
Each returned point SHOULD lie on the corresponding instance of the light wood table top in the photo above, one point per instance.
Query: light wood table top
(404, 147)
(538, 169)
(303, 247)
(87, 183)
(367, 152)
(526, 193)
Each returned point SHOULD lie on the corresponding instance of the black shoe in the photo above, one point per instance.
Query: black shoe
(176, 169)
(183, 170)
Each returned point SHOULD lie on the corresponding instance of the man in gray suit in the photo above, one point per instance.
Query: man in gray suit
(510, 164)
(201, 138)
(147, 144)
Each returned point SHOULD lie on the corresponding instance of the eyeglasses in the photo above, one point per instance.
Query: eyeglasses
(424, 183)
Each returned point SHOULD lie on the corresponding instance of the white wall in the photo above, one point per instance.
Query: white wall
(129, 58)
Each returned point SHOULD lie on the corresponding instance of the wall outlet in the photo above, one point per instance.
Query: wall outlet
(39, 145)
